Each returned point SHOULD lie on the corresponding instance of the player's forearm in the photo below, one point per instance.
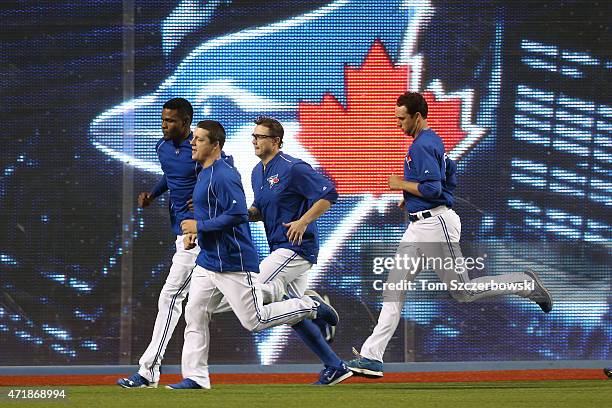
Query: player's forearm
(318, 209)
(221, 222)
(411, 187)
(425, 189)
(160, 188)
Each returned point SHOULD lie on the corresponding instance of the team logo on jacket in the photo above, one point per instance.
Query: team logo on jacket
(273, 180)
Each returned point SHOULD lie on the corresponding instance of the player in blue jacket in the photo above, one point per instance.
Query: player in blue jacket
(227, 261)
(434, 230)
(179, 178)
(289, 197)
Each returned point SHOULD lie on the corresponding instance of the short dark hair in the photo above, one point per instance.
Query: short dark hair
(414, 102)
(216, 132)
(276, 129)
(182, 105)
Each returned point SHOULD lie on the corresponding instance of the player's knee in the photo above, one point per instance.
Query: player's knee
(171, 295)
(392, 307)
(191, 310)
(174, 289)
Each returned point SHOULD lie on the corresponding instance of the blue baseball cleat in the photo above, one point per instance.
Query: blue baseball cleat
(333, 375)
(327, 331)
(365, 367)
(325, 311)
(186, 384)
(136, 381)
(540, 294)
(608, 372)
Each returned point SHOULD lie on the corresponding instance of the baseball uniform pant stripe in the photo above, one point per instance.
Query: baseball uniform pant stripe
(450, 245)
(462, 278)
(274, 318)
(277, 317)
(291, 292)
(168, 320)
(447, 236)
(280, 268)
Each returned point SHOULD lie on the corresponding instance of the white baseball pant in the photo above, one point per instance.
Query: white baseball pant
(245, 297)
(169, 309)
(282, 272)
(437, 236)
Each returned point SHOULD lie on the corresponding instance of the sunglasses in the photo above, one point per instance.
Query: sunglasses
(259, 137)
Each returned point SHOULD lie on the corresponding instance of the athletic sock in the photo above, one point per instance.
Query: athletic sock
(311, 336)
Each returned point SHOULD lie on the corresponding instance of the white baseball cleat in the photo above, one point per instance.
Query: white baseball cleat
(540, 294)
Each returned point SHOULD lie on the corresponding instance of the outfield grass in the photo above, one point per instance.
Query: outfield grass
(533, 394)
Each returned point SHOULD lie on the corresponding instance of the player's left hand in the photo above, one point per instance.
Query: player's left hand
(395, 182)
(189, 227)
(296, 231)
(189, 241)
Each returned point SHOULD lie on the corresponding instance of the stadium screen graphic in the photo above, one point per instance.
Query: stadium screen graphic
(520, 99)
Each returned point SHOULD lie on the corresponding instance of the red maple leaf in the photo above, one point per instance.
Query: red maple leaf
(361, 145)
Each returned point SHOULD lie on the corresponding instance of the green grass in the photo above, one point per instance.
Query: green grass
(532, 394)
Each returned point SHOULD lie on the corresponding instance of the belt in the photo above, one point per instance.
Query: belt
(421, 215)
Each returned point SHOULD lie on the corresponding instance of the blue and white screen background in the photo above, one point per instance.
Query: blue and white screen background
(522, 94)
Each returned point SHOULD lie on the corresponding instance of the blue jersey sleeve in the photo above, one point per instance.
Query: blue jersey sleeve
(425, 163)
(255, 186)
(430, 189)
(312, 185)
(160, 188)
(231, 201)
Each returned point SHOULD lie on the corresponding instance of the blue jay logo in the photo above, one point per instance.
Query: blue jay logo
(273, 180)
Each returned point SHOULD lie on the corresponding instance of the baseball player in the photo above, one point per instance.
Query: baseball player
(289, 197)
(179, 178)
(227, 261)
(434, 230)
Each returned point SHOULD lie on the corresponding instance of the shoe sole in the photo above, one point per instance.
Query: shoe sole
(364, 372)
(341, 378)
(154, 385)
(330, 332)
(313, 293)
(170, 388)
(608, 372)
(538, 282)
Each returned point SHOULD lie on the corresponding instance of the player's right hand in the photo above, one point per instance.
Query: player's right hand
(189, 241)
(144, 199)
(254, 214)
(189, 226)
(401, 204)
